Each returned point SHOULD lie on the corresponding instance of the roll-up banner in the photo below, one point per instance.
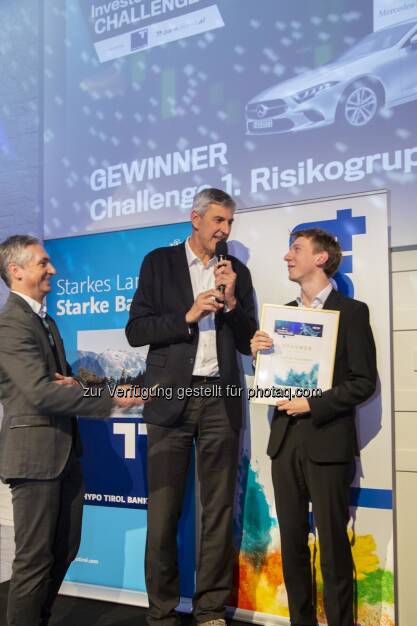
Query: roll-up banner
(96, 279)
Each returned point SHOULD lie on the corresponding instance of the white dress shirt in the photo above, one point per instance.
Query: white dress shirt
(202, 279)
(319, 299)
(39, 309)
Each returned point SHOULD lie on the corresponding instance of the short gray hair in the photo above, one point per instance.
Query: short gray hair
(14, 250)
(204, 198)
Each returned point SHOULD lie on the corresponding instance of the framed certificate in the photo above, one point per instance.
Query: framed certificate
(301, 360)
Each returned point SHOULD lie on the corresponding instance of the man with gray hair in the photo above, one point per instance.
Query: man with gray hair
(39, 440)
(194, 312)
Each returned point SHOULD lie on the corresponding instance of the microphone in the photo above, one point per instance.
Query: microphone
(221, 254)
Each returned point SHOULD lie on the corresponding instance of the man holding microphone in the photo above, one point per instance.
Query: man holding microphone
(195, 312)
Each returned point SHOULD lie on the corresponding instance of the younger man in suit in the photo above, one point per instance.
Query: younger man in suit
(313, 441)
(39, 441)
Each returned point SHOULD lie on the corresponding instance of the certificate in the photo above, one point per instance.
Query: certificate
(301, 360)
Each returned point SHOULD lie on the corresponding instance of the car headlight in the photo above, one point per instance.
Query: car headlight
(306, 94)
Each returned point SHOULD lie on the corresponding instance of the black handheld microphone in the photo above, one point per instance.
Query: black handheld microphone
(221, 254)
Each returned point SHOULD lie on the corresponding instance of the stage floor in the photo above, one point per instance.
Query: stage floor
(69, 611)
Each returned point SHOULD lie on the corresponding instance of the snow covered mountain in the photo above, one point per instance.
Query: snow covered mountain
(111, 363)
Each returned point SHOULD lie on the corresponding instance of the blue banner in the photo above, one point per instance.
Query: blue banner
(96, 279)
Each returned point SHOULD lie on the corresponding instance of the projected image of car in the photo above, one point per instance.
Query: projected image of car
(379, 71)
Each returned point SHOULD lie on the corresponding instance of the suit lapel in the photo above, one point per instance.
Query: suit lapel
(183, 276)
(21, 304)
(58, 344)
(333, 301)
(18, 302)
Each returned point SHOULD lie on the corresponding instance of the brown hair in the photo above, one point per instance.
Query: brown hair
(322, 242)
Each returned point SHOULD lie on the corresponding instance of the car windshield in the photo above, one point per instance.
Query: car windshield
(378, 41)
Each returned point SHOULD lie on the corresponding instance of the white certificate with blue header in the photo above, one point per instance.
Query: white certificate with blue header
(301, 360)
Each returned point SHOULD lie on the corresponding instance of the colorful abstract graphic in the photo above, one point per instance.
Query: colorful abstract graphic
(305, 380)
(259, 584)
(288, 328)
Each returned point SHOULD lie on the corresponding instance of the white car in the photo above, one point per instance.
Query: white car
(379, 71)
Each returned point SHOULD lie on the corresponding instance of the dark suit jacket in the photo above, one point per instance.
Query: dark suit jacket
(332, 435)
(157, 317)
(38, 424)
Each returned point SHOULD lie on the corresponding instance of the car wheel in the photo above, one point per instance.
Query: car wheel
(360, 104)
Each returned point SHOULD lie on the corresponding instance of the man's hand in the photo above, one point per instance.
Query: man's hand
(260, 341)
(224, 275)
(59, 379)
(129, 399)
(294, 406)
(205, 303)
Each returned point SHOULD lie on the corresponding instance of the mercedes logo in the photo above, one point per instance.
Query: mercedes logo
(261, 110)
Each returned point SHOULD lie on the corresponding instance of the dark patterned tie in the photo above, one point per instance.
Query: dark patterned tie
(47, 327)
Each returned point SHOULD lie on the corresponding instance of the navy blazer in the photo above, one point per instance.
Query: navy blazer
(157, 318)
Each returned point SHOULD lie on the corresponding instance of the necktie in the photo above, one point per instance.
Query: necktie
(47, 328)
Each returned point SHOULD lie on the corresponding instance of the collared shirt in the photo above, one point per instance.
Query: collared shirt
(319, 299)
(39, 309)
(202, 279)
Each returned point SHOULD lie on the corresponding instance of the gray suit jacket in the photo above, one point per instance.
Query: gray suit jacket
(38, 423)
